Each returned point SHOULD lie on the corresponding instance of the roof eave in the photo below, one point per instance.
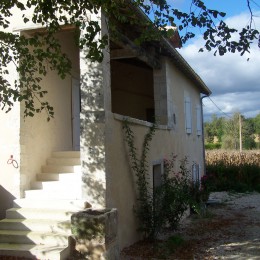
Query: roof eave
(183, 65)
(181, 62)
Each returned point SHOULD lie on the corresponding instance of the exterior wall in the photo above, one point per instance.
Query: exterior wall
(121, 192)
(9, 145)
(38, 137)
(10, 178)
(179, 87)
(31, 140)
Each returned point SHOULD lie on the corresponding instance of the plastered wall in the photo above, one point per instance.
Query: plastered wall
(10, 178)
(9, 145)
(121, 190)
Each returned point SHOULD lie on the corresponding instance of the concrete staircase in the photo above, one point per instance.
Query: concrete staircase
(38, 226)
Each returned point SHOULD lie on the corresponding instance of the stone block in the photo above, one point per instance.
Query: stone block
(95, 233)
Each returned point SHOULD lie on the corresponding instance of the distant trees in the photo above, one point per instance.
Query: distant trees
(256, 123)
(214, 129)
(223, 132)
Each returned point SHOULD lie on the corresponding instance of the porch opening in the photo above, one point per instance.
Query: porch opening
(132, 89)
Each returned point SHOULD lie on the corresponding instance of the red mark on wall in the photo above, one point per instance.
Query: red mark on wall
(12, 161)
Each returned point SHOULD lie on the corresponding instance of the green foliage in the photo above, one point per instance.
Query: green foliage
(227, 132)
(256, 122)
(169, 246)
(214, 128)
(172, 198)
(31, 56)
(144, 209)
(199, 195)
(240, 179)
(166, 204)
(212, 146)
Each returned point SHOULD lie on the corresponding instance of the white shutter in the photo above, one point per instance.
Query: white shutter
(196, 173)
(199, 121)
(188, 122)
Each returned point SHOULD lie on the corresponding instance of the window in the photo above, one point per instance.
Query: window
(187, 111)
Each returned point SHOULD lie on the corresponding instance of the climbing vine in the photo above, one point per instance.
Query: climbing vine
(166, 204)
(144, 209)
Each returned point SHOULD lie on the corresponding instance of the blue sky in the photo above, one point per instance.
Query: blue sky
(234, 81)
(230, 7)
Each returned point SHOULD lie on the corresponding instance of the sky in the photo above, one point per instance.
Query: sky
(234, 81)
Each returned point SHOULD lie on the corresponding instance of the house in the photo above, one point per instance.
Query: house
(49, 169)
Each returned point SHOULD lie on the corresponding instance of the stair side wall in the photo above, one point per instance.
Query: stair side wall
(9, 146)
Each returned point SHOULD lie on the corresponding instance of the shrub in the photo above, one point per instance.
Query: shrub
(166, 204)
(212, 146)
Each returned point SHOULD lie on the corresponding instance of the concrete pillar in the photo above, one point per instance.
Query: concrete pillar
(160, 94)
(95, 100)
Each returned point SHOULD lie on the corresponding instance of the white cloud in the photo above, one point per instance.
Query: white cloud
(246, 103)
(234, 81)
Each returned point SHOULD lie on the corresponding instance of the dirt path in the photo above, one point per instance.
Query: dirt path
(231, 231)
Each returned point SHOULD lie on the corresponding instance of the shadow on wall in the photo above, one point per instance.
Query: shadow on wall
(93, 132)
(6, 201)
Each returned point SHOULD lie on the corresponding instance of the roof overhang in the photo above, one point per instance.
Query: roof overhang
(178, 60)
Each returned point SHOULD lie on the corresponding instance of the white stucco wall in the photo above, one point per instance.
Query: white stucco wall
(10, 178)
(9, 146)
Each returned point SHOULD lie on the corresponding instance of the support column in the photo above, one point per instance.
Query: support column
(92, 141)
(164, 110)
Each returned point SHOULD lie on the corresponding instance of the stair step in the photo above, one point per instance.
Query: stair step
(31, 213)
(73, 205)
(61, 169)
(56, 185)
(34, 251)
(58, 176)
(69, 154)
(63, 161)
(53, 195)
(39, 225)
(31, 237)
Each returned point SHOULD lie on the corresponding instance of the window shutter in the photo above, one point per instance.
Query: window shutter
(188, 122)
(196, 172)
(199, 121)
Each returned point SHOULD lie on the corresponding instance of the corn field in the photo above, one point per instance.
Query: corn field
(232, 170)
(215, 157)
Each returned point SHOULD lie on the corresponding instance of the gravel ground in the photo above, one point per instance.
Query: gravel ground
(241, 236)
(231, 231)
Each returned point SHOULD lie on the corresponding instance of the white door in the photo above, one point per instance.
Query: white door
(76, 114)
